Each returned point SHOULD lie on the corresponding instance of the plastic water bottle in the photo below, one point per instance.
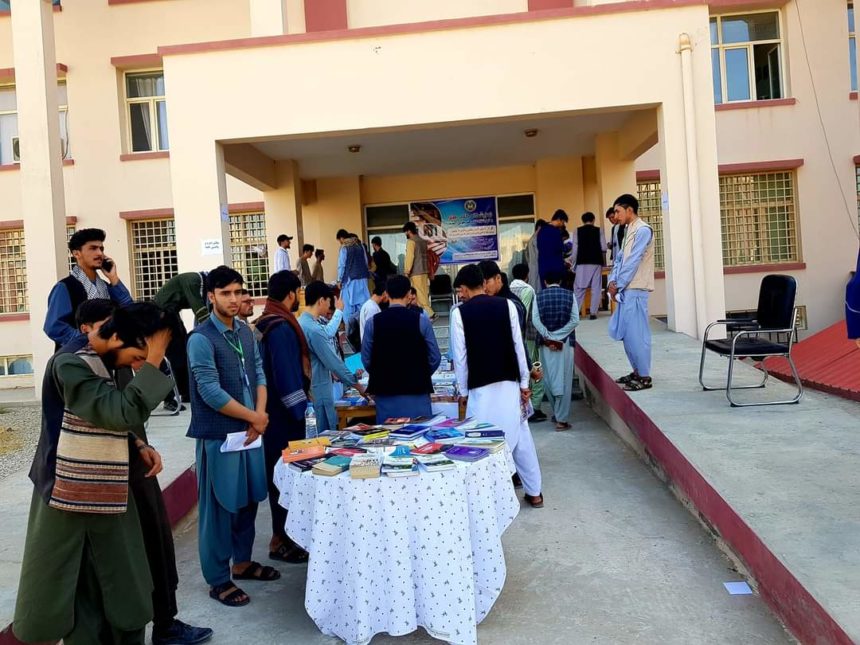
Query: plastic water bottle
(310, 422)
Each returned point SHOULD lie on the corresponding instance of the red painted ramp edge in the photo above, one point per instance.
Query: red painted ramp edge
(180, 496)
(785, 595)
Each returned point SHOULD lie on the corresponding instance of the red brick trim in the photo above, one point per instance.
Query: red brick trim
(325, 15)
(68, 162)
(71, 219)
(11, 224)
(779, 588)
(246, 207)
(856, 160)
(428, 26)
(542, 5)
(648, 175)
(749, 105)
(765, 268)
(852, 96)
(659, 275)
(138, 156)
(14, 317)
(10, 166)
(149, 213)
(136, 61)
(7, 74)
(759, 166)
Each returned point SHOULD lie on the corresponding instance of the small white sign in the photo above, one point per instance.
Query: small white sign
(664, 201)
(211, 247)
(225, 213)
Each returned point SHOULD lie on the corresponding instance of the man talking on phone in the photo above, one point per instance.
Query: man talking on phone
(82, 284)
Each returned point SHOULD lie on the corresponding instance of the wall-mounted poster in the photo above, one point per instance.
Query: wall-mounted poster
(459, 231)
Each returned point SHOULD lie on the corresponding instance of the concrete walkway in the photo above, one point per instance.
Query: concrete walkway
(780, 484)
(612, 558)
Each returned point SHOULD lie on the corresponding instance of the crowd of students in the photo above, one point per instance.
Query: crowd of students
(99, 561)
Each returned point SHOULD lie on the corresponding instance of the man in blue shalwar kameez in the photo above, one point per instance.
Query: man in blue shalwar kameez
(852, 305)
(630, 282)
(352, 275)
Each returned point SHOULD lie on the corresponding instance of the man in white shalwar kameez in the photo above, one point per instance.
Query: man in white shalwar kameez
(492, 372)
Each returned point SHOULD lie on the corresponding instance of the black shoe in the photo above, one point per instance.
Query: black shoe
(181, 634)
(537, 417)
(518, 483)
(592, 317)
(173, 406)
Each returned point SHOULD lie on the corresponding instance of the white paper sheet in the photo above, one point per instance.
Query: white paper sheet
(235, 442)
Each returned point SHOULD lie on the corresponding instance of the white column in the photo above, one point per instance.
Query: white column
(284, 210)
(42, 196)
(268, 17)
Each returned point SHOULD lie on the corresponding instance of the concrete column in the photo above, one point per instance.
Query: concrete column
(615, 174)
(42, 197)
(199, 187)
(558, 184)
(284, 209)
(268, 17)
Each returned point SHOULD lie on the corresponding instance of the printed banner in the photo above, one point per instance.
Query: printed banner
(459, 231)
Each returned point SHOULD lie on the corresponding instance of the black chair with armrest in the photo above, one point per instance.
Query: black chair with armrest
(753, 338)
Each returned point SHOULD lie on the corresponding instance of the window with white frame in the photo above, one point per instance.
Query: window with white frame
(758, 213)
(746, 56)
(146, 111)
(852, 47)
(154, 260)
(16, 365)
(651, 211)
(250, 252)
(10, 147)
(13, 272)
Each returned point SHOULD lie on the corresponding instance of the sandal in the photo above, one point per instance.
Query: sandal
(641, 383)
(292, 554)
(257, 571)
(235, 598)
(624, 380)
(562, 426)
(536, 501)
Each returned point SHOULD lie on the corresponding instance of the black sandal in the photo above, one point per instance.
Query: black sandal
(624, 380)
(641, 383)
(292, 554)
(232, 599)
(257, 571)
(535, 501)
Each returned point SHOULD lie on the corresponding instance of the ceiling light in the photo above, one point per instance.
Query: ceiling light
(531, 132)
(354, 148)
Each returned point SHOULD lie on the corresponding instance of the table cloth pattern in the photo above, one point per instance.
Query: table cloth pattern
(390, 554)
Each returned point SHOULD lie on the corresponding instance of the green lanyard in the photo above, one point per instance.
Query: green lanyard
(240, 352)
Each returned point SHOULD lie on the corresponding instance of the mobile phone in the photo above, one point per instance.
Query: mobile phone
(107, 265)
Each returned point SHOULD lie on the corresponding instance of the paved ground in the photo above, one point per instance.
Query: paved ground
(612, 558)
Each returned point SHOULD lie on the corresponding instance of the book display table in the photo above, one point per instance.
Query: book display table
(391, 554)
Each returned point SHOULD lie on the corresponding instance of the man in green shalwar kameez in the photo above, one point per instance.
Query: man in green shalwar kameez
(85, 576)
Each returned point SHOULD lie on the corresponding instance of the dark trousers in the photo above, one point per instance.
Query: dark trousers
(158, 542)
(178, 356)
(278, 435)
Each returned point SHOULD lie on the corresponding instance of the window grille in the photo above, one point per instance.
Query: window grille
(13, 272)
(250, 253)
(759, 218)
(154, 259)
(651, 211)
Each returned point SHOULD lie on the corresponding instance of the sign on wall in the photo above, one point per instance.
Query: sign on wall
(459, 230)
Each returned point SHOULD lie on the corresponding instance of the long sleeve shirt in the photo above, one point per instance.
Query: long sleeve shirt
(562, 333)
(574, 241)
(434, 356)
(324, 360)
(628, 258)
(184, 291)
(550, 251)
(458, 344)
(282, 260)
(201, 359)
(60, 306)
(410, 256)
(341, 264)
(285, 381)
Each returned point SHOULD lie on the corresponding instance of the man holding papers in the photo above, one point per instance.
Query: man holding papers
(228, 396)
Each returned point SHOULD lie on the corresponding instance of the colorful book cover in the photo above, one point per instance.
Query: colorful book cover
(466, 453)
(313, 441)
(485, 434)
(428, 449)
(309, 452)
(347, 452)
(392, 421)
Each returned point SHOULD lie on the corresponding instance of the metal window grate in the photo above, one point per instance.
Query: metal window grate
(153, 255)
(650, 210)
(250, 254)
(857, 175)
(759, 219)
(70, 230)
(13, 272)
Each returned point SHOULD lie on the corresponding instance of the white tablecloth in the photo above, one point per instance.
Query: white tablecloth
(390, 554)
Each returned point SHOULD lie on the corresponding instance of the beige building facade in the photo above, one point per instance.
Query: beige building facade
(194, 132)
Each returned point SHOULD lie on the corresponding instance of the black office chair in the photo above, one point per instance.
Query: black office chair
(754, 337)
(441, 289)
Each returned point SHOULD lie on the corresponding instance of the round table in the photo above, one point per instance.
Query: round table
(390, 554)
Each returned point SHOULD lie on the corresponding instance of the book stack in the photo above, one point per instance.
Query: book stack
(443, 435)
(374, 437)
(408, 433)
(290, 455)
(428, 449)
(345, 451)
(399, 463)
(313, 441)
(332, 466)
(486, 432)
(435, 463)
(365, 466)
(305, 465)
(466, 453)
(493, 445)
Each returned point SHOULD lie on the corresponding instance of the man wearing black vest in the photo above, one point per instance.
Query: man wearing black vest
(400, 353)
(492, 373)
(83, 283)
(589, 256)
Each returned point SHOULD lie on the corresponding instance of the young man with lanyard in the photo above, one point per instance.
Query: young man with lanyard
(85, 576)
(630, 282)
(228, 397)
(83, 283)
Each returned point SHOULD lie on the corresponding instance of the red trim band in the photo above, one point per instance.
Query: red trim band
(14, 317)
(11, 224)
(749, 105)
(543, 5)
(759, 166)
(325, 15)
(149, 213)
(852, 96)
(857, 159)
(138, 156)
(246, 207)
(648, 175)
(765, 268)
(137, 61)
(7, 74)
